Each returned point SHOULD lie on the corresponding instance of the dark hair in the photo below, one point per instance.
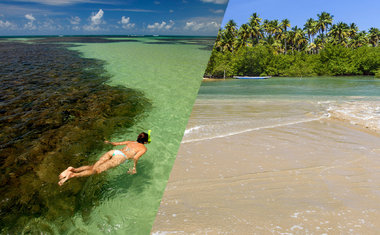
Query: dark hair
(142, 138)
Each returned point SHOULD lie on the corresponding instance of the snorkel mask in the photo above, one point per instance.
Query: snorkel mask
(149, 140)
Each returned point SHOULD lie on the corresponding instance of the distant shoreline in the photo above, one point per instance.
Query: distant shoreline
(231, 78)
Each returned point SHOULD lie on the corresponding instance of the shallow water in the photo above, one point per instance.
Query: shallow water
(244, 105)
(54, 105)
(169, 75)
(163, 79)
(279, 156)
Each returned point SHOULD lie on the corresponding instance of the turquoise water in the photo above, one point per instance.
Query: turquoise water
(229, 107)
(169, 74)
(294, 87)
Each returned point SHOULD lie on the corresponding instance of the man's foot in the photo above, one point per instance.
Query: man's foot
(65, 172)
(64, 179)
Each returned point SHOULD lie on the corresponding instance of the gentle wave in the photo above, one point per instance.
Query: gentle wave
(252, 129)
(192, 129)
(362, 113)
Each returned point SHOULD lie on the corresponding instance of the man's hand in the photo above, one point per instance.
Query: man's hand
(107, 142)
(132, 171)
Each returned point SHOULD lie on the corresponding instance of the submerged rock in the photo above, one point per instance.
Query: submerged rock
(55, 111)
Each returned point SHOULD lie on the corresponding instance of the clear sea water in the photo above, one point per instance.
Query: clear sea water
(237, 106)
(169, 74)
(163, 72)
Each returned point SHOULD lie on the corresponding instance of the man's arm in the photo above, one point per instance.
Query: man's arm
(135, 160)
(117, 143)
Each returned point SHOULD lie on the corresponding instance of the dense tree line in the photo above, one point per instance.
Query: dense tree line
(271, 47)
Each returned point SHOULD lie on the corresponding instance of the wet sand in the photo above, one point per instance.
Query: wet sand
(313, 177)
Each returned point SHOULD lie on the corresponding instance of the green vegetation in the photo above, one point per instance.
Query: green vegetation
(270, 48)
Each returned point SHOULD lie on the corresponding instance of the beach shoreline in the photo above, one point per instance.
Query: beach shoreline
(276, 164)
(223, 190)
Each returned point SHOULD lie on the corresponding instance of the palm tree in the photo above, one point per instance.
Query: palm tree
(374, 36)
(231, 28)
(243, 36)
(311, 48)
(311, 28)
(353, 30)
(218, 42)
(255, 28)
(318, 44)
(359, 40)
(285, 23)
(340, 33)
(324, 21)
(298, 38)
(230, 33)
(275, 28)
(277, 46)
(266, 27)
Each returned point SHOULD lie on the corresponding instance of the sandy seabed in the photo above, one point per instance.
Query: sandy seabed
(313, 177)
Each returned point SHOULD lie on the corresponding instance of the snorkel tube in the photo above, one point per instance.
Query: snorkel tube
(149, 140)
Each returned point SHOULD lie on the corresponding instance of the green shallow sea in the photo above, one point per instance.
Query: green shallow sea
(169, 74)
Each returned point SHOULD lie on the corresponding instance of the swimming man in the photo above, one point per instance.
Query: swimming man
(132, 150)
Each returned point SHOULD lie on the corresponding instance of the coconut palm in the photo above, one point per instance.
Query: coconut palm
(243, 36)
(311, 48)
(230, 33)
(374, 36)
(324, 21)
(231, 28)
(318, 44)
(340, 33)
(275, 29)
(255, 28)
(353, 30)
(266, 28)
(218, 43)
(359, 40)
(311, 28)
(298, 38)
(285, 23)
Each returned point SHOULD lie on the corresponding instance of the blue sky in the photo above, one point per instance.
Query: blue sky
(364, 13)
(141, 17)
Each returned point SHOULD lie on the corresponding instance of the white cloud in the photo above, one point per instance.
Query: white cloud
(171, 11)
(75, 20)
(7, 25)
(95, 21)
(215, 1)
(202, 26)
(30, 17)
(132, 10)
(49, 25)
(30, 25)
(125, 23)
(97, 18)
(220, 11)
(162, 25)
(59, 2)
